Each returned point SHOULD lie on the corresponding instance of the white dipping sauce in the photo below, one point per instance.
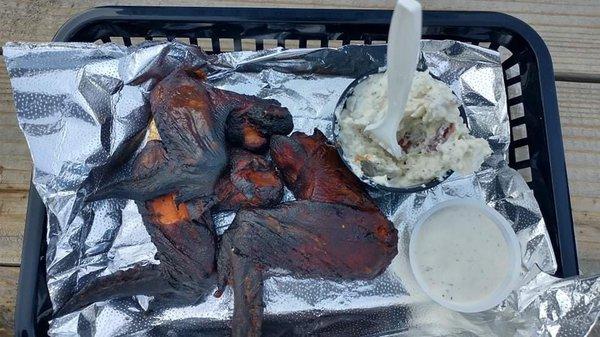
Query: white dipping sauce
(461, 254)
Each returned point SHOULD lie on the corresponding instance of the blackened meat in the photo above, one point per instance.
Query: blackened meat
(334, 231)
(173, 179)
(185, 251)
(191, 117)
(313, 170)
(250, 181)
(253, 123)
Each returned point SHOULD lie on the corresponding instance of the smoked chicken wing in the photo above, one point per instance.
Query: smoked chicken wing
(185, 250)
(250, 181)
(173, 179)
(333, 231)
(313, 170)
(252, 124)
(191, 117)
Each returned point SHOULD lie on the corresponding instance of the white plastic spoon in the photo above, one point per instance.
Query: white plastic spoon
(404, 44)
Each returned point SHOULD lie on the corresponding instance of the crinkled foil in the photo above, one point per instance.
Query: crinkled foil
(81, 106)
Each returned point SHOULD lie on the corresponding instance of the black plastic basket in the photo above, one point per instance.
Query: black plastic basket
(537, 152)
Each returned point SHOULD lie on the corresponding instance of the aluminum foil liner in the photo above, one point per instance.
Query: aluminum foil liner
(83, 106)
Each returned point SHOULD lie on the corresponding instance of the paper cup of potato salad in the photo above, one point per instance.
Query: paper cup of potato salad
(433, 135)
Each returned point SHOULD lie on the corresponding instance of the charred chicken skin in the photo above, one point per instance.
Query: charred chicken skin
(334, 230)
(250, 181)
(173, 180)
(252, 124)
(185, 246)
(187, 160)
(313, 170)
(191, 117)
(185, 250)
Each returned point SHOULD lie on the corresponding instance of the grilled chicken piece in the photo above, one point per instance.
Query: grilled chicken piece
(190, 117)
(251, 181)
(173, 181)
(188, 159)
(185, 246)
(252, 124)
(313, 170)
(185, 249)
(334, 231)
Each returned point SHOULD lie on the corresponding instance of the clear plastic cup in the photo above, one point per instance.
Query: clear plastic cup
(510, 280)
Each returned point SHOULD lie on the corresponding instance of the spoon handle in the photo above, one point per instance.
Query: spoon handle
(402, 57)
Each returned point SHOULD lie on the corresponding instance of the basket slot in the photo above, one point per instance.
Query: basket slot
(248, 44)
(313, 43)
(116, 40)
(324, 43)
(336, 43)
(269, 43)
(105, 39)
(519, 133)
(205, 44)
(148, 38)
(518, 153)
(505, 53)
(368, 40)
(136, 40)
(526, 174)
(127, 41)
(302, 43)
(226, 45)
(514, 90)
(281, 43)
(521, 153)
(517, 111)
(193, 41)
(181, 40)
(345, 42)
(292, 44)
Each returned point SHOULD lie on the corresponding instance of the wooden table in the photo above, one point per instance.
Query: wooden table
(571, 28)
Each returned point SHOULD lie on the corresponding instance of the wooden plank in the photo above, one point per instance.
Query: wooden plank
(570, 29)
(8, 293)
(580, 123)
(13, 207)
(15, 161)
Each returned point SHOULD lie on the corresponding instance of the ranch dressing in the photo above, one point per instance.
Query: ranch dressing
(461, 254)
